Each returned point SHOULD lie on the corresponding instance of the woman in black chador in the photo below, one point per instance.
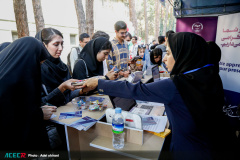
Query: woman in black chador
(21, 116)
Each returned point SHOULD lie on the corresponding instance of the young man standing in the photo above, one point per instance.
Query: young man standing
(162, 46)
(134, 49)
(119, 56)
(84, 38)
(128, 38)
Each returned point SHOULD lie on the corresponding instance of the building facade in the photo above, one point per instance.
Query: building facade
(61, 15)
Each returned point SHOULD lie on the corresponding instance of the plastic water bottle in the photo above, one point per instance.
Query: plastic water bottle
(118, 129)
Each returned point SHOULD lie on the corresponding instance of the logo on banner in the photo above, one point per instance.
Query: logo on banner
(15, 155)
(197, 27)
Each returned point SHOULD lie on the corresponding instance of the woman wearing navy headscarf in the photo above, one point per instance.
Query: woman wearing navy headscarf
(193, 99)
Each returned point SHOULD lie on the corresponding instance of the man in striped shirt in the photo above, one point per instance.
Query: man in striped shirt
(119, 56)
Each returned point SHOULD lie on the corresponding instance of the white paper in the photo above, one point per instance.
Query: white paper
(140, 111)
(53, 116)
(160, 125)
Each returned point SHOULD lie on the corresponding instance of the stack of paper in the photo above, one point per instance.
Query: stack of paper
(67, 115)
(159, 126)
(151, 114)
(83, 124)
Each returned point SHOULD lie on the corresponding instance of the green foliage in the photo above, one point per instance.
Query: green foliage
(151, 18)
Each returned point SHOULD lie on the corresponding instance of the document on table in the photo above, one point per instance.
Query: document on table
(149, 108)
(68, 115)
(83, 124)
(161, 122)
(140, 111)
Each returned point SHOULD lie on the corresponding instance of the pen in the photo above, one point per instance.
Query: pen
(47, 107)
(45, 90)
(44, 107)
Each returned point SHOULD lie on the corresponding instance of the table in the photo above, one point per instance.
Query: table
(96, 142)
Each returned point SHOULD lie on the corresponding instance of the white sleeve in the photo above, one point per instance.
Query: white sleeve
(73, 57)
(105, 68)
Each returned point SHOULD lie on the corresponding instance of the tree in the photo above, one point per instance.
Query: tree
(157, 17)
(146, 21)
(21, 18)
(80, 16)
(132, 15)
(89, 17)
(161, 19)
(165, 24)
(38, 15)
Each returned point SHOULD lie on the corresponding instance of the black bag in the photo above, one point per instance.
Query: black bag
(68, 59)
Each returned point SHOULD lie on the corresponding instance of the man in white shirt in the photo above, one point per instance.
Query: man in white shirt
(84, 38)
(134, 48)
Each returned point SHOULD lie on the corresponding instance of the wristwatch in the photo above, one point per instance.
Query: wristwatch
(105, 77)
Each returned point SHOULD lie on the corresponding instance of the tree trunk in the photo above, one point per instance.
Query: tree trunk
(165, 24)
(89, 17)
(170, 19)
(38, 15)
(161, 21)
(146, 21)
(133, 16)
(80, 16)
(21, 18)
(157, 17)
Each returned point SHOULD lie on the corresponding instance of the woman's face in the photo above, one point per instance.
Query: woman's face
(141, 52)
(102, 55)
(157, 58)
(55, 46)
(168, 59)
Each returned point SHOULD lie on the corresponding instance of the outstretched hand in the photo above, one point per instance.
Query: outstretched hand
(91, 83)
(67, 85)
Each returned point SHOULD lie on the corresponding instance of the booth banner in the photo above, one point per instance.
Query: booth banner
(228, 39)
(203, 26)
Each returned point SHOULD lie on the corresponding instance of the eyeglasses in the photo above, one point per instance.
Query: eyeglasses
(123, 33)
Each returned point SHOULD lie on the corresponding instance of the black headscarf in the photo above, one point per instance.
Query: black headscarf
(215, 54)
(54, 71)
(156, 52)
(4, 45)
(20, 96)
(201, 90)
(89, 55)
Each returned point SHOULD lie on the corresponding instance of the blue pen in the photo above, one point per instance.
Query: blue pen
(45, 90)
